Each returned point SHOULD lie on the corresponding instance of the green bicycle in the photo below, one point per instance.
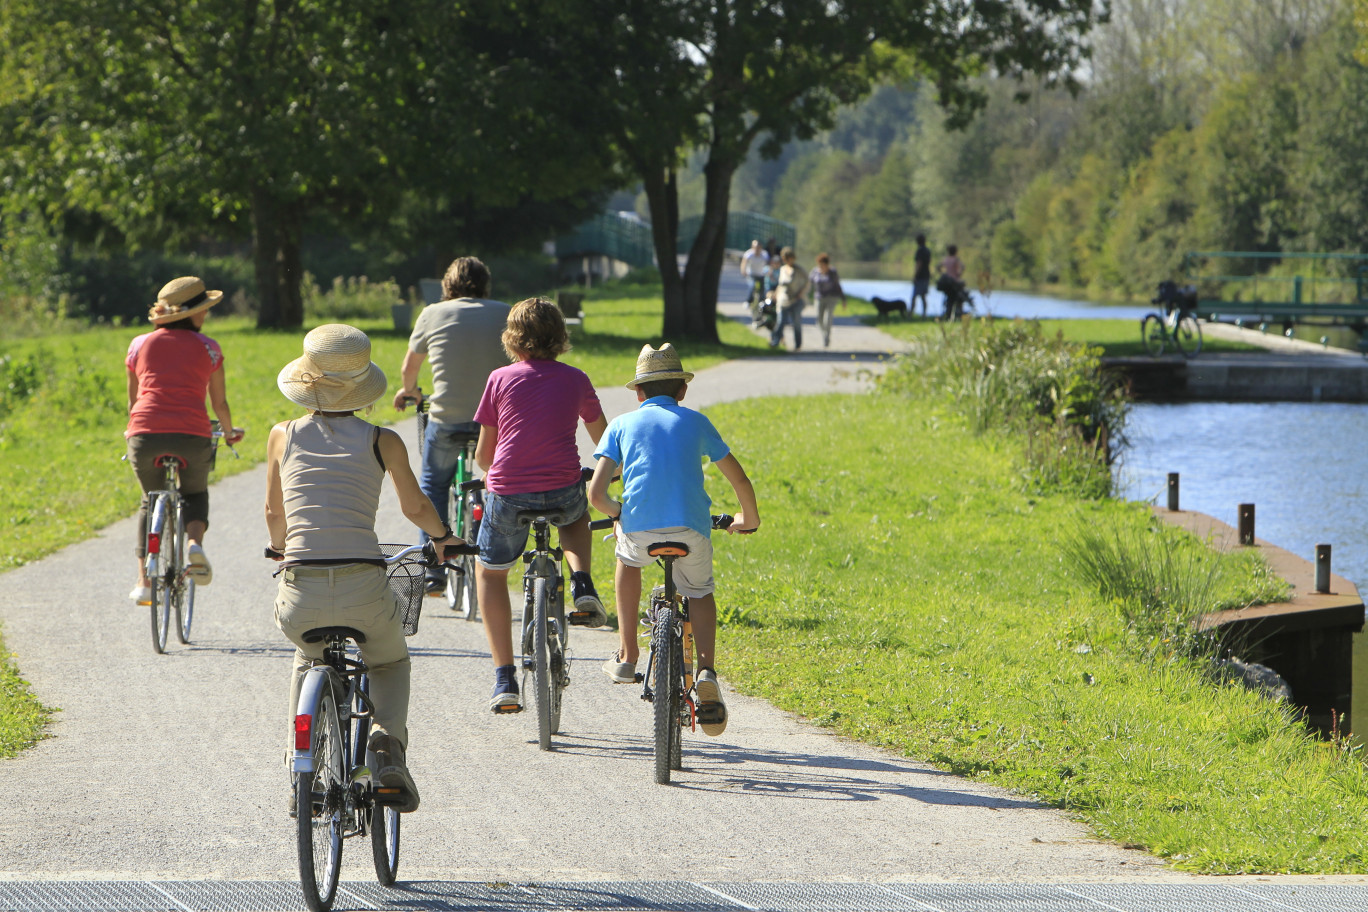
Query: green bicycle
(465, 509)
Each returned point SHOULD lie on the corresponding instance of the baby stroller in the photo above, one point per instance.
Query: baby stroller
(957, 297)
(769, 312)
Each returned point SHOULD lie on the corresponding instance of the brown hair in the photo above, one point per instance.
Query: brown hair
(466, 277)
(536, 331)
(823, 259)
(652, 388)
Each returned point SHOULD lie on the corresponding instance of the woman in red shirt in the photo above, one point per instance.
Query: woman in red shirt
(170, 370)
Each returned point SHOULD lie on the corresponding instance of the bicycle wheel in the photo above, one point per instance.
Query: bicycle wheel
(320, 801)
(183, 589)
(1188, 335)
(665, 699)
(384, 833)
(1152, 333)
(556, 650)
(541, 668)
(163, 582)
(470, 526)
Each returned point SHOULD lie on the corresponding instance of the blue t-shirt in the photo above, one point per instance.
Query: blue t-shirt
(660, 448)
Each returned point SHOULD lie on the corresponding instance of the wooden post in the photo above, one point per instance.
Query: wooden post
(1322, 568)
(1246, 524)
(1173, 491)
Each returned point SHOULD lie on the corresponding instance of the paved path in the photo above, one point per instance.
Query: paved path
(167, 769)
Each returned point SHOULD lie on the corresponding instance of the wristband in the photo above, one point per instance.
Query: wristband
(447, 537)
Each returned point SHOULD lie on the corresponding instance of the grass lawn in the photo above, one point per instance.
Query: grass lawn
(1116, 338)
(22, 717)
(904, 592)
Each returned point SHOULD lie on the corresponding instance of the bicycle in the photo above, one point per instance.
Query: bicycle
(545, 634)
(1176, 324)
(669, 675)
(465, 509)
(335, 794)
(165, 550)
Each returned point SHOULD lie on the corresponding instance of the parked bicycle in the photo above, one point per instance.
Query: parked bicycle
(545, 631)
(465, 509)
(669, 676)
(336, 796)
(171, 587)
(1176, 325)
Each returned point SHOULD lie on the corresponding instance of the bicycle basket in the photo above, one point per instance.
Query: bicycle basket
(407, 578)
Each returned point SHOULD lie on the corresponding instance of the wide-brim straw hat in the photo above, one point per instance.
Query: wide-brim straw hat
(335, 373)
(181, 298)
(658, 364)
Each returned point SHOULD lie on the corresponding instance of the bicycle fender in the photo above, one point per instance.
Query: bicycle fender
(309, 696)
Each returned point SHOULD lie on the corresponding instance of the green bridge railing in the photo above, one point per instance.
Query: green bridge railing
(629, 240)
(1279, 287)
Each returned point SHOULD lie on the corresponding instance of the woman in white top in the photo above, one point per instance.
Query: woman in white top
(324, 472)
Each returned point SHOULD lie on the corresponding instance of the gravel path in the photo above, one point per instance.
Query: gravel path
(170, 766)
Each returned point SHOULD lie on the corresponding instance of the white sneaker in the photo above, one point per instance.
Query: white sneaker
(712, 711)
(141, 594)
(199, 569)
(619, 672)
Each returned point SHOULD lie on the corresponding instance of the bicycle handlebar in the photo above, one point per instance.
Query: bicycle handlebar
(719, 521)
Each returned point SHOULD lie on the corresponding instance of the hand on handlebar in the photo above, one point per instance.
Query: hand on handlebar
(740, 525)
(402, 399)
(234, 436)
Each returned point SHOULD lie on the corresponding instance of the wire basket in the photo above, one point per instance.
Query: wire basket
(408, 580)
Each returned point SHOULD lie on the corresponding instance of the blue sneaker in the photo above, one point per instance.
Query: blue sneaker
(505, 698)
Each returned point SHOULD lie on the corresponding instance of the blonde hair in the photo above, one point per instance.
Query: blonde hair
(536, 331)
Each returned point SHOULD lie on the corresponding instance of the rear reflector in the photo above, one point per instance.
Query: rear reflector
(303, 732)
(154, 543)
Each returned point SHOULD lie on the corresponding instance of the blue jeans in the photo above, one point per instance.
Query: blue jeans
(503, 537)
(442, 447)
(792, 314)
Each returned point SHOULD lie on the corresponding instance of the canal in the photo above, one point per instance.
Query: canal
(1303, 465)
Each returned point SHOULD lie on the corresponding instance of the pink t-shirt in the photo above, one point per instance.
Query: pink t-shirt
(173, 368)
(536, 406)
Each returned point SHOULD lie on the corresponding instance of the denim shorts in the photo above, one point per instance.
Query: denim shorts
(503, 538)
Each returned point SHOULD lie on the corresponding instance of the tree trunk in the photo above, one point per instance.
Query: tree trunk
(703, 272)
(662, 199)
(277, 230)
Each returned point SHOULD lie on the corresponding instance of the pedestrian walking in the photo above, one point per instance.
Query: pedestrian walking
(827, 291)
(791, 294)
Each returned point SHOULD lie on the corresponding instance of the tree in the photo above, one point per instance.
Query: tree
(722, 75)
(166, 120)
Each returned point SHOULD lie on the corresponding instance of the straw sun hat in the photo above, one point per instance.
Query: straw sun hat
(335, 373)
(181, 298)
(658, 364)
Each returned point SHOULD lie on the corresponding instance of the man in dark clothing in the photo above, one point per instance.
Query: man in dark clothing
(921, 276)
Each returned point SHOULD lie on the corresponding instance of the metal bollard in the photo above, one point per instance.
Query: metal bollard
(1173, 491)
(1246, 524)
(1322, 568)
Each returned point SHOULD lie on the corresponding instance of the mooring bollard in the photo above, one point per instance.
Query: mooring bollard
(1173, 491)
(1322, 568)
(1246, 524)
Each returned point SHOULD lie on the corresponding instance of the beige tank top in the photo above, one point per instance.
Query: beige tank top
(331, 477)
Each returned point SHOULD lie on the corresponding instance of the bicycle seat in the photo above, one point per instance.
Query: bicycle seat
(554, 517)
(167, 459)
(668, 549)
(319, 634)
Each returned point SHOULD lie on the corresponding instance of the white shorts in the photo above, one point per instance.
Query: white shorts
(693, 573)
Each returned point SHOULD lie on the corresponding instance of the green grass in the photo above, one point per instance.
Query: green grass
(1116, 338)
(22, 717)
(60, 442)
(903, 591)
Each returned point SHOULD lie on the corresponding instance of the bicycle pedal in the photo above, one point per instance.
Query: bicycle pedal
(508, 709)
(638, 678)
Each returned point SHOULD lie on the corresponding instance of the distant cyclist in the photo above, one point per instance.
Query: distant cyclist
(323, 477)
(755, 264)
(170, 370)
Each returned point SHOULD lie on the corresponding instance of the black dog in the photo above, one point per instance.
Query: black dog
(887, 307)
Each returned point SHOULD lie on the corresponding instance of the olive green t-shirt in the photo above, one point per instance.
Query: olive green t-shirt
(462, 339)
